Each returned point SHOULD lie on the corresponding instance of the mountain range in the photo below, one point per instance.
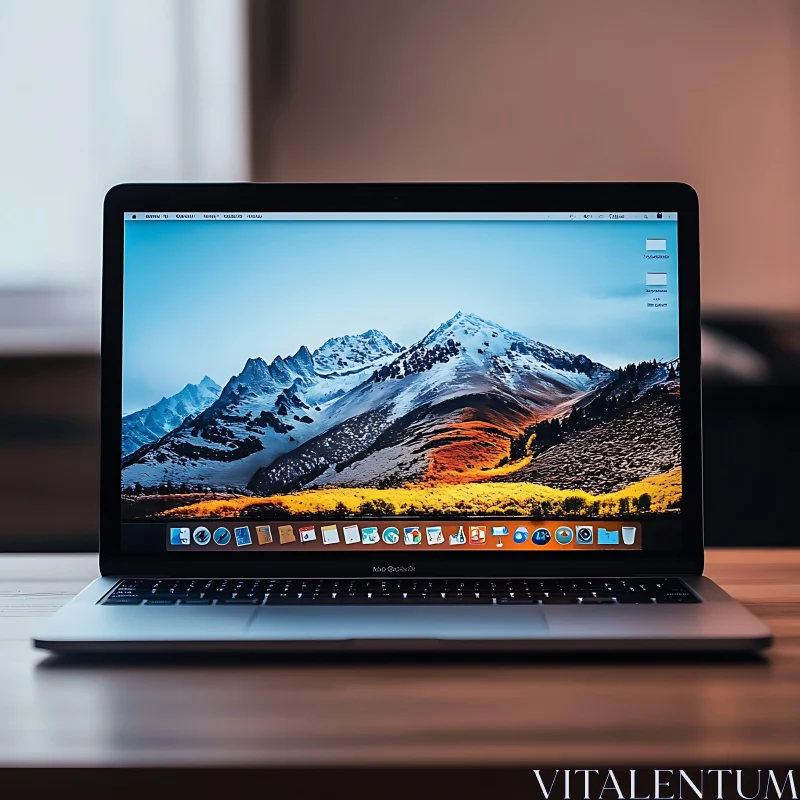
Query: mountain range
(153, 422)
(364, 411)
(263, 411)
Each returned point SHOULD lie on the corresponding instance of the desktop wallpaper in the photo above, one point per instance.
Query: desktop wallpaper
(320, 369)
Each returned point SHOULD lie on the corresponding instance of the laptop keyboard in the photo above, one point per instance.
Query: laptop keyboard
(407, 592)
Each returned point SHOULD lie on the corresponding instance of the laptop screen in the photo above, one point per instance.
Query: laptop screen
(354, 381)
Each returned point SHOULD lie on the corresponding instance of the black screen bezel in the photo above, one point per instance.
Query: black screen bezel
(444, 197)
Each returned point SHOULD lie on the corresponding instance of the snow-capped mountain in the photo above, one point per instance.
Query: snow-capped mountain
(364, 411)
(151, 423)
(448, 404)
(265, 410)
(489, 348)
(346, 353)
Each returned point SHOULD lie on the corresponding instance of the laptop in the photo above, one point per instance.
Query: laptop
(401, 417)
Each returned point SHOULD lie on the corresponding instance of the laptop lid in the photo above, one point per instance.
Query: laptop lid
(401, 380)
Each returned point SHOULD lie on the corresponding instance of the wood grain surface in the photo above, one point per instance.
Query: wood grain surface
(389, 711)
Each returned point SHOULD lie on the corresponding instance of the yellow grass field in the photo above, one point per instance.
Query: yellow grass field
(490, 498)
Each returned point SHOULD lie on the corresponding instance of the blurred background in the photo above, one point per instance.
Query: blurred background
(98, 92)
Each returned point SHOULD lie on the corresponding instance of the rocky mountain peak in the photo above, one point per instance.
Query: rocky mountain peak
(153, 422)
(353, 351)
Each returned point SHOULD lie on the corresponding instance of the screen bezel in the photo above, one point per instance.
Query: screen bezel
(447, 197)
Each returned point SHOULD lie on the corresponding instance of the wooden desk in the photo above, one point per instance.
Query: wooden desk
(419, 712)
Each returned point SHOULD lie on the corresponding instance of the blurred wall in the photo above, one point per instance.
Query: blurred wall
(97, 92)
(704, 92)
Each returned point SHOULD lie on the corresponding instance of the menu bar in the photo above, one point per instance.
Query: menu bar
(400, 216)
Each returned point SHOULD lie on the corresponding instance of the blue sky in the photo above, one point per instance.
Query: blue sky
(201, 297)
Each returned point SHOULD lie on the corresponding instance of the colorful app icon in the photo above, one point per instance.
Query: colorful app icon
(477, 534)
(628, 534)
(564, 534)
(179, 536)
(242, 536)
(351, 534)
(391, 535)
(370, 536)
(541, 536)
(605, 536)
(584, 534)
(330, 534)
(201, 536)
(286, 534)
(263, 534)
(521, 535)
(499, 531)
(222, 536)
(435, 534)
(307, 534)
(459, 537)
(412, 535)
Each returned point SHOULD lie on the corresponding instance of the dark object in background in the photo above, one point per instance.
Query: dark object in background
(740, 350)
(50, 440)
(751, 420)
(49, 452)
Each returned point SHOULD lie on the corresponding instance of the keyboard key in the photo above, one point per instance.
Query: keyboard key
(287, 600)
